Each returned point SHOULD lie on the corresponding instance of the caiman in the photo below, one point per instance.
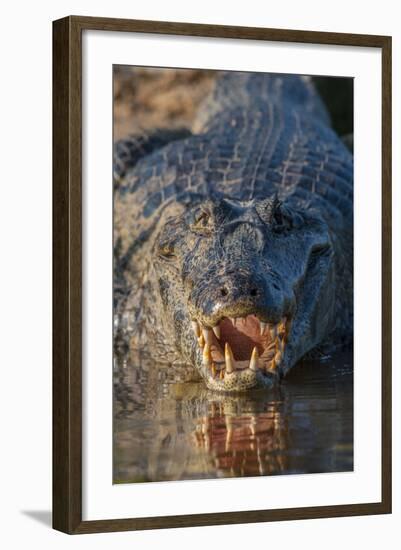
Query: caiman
(233, 245)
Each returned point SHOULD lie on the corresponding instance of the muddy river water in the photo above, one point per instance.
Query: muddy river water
(169, 430)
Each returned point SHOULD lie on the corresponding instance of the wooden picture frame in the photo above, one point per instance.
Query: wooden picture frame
(67, 274)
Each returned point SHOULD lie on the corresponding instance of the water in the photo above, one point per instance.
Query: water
(169, 430)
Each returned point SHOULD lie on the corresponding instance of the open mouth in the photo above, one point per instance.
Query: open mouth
(241, 344)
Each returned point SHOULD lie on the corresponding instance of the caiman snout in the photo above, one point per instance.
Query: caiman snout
(241, 322)
(238, 294)
(227, 293)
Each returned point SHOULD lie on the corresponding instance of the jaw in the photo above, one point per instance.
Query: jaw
(248, 344)
(315, 318)
(241, 353)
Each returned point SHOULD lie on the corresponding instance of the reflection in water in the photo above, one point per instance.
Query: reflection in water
(166, 429)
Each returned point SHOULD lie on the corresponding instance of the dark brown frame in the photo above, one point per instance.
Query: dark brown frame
(67, 262)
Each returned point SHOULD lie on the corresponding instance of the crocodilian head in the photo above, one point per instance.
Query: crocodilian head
(247, 288)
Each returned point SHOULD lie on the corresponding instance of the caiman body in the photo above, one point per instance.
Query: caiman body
(233, 242)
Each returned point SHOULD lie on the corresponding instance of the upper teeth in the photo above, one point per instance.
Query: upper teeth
(207, 356)
(196, 328)
(209, 340)
(208, 335)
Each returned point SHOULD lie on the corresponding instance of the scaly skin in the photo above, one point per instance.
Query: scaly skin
(246, 226)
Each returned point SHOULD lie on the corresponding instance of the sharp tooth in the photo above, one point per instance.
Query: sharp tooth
(216, 330)
(208, 335)
(278, 357)
(229, 357)
(262, 327)
(201, 341)
(196, 328)
(273, 332)
(281, 326)
(272, 365)
(221, 374)
(253, 364)
(207, 356)
(213, 370)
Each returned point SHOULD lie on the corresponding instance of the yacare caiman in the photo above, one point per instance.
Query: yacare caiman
(234, 240)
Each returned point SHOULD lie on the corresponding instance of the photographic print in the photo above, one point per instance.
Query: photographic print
(233, 274)
(212, 235)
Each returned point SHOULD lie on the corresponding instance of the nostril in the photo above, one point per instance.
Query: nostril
(223, 291)
(254, 292)
(275, 285)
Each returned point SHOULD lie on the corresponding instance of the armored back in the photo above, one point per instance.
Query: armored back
(256, 90)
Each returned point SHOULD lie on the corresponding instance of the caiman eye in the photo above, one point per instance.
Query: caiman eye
(202, 219)
(278, 216)
(201, 222)
(281, 217)
(166, 250)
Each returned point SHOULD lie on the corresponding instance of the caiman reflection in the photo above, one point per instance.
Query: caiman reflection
(246, 443)
(169, 430)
